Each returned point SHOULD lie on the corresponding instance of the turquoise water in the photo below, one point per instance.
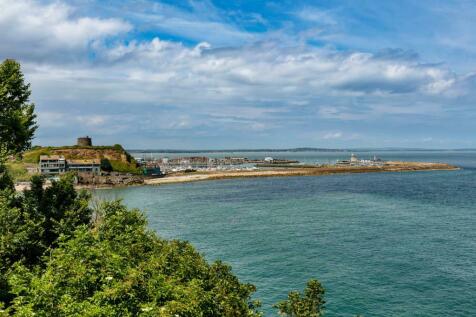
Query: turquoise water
(384, 244)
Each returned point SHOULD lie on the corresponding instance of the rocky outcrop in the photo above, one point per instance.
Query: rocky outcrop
(112, 179)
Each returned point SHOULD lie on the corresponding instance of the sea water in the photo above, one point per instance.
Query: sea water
(382, 244)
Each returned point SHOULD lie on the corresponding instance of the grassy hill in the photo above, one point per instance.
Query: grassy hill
(118, 159)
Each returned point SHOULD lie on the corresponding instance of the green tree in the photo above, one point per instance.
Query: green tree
(31, 223)
(117, 267)
(17, 117)
(106, 165)
(309, 304)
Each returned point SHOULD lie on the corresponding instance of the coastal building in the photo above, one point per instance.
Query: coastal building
(355, 161)
(52, 165)
(56, 164)
(152, 171)
(84, 166)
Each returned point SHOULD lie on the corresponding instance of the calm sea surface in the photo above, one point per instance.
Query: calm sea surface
(383, 244)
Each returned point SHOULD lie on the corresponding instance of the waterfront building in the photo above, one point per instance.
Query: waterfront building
(355, 161)
(84, 166)
(52, 165)
(152, 170)
(57, 164)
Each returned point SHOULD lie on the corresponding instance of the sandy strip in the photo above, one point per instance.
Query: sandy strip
(389, 167)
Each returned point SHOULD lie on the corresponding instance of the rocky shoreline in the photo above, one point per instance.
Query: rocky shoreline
(110, 179)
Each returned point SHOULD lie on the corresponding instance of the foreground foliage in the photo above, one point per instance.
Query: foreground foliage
(30, 225)
(116, 267)
(58, 259)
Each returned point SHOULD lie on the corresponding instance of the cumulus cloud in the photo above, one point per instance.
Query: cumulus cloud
(79, 64)
(165, 72)
(267, 84)
(50, 31)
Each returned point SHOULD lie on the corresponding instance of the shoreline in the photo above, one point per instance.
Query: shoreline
(272, 172)
(296, 171)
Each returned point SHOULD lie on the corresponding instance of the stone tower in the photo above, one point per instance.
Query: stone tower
(85, 141)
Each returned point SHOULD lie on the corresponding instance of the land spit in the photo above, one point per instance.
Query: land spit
(298, 171)
(182, 177)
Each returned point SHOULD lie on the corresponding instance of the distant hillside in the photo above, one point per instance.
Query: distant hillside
(113, 158)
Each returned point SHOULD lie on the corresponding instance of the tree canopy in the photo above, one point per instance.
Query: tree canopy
(117, 267)
(309, 304)
(17, 117)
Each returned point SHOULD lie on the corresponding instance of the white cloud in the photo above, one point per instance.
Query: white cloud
(315, 15)
(51, 30)
(162, 84)
(256, 87)
(332, 135)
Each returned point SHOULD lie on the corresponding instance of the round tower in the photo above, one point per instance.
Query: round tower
(85, 141)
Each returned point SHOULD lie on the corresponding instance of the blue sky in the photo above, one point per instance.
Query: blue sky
(248, 74)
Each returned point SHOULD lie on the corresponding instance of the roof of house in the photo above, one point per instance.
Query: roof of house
(51, 157)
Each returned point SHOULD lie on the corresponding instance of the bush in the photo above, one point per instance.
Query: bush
(106, 165)
(30, 225)
(125, 167)
(117, 267)
(309, 304)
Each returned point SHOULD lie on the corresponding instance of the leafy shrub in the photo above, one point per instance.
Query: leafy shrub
(309, 304)
(124, 167)
(106, 165)
(117, 267)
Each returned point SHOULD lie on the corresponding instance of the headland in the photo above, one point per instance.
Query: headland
(112, 166)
